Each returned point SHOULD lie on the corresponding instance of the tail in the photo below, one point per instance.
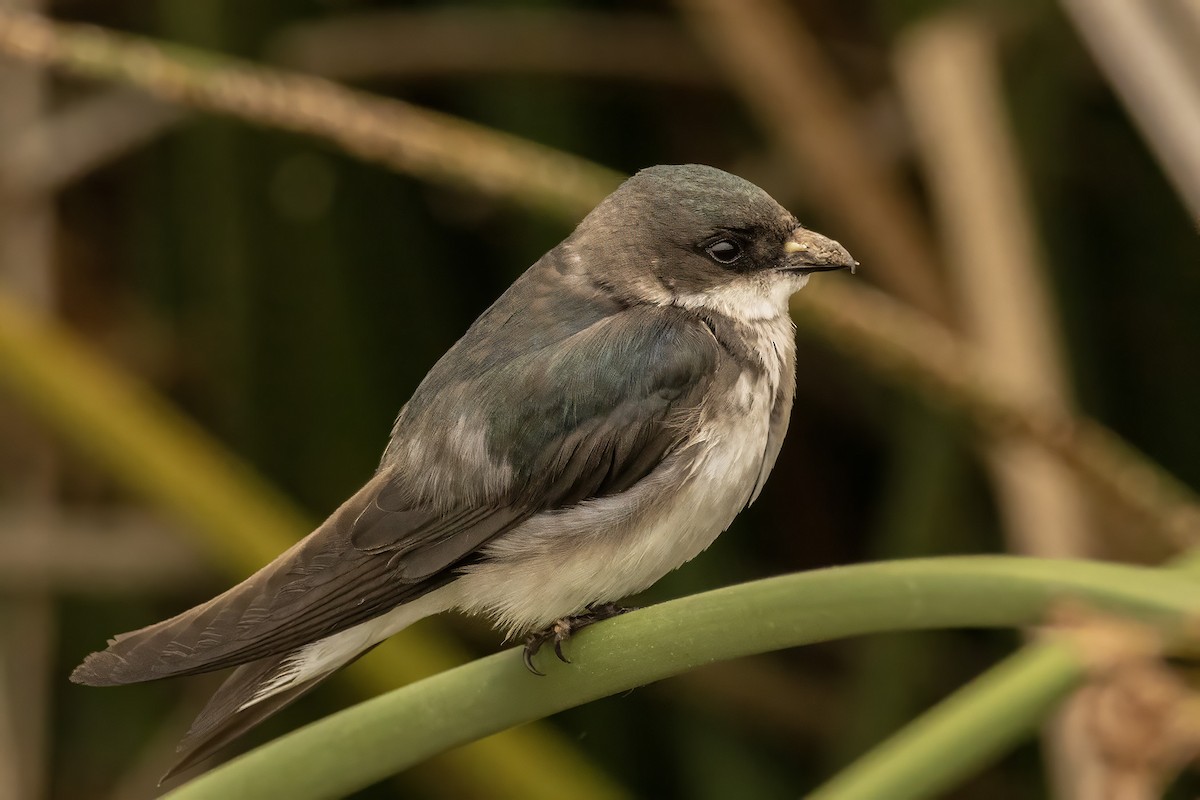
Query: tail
(222, 632)
(256, 690)
(322, 585)
(247, 697)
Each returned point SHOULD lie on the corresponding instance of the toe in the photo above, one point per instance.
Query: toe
(527, 657)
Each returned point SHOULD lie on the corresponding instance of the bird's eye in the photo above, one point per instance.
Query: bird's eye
(724, 251)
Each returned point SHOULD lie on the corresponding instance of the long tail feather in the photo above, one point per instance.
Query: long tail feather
(200, 744)
(229, 712)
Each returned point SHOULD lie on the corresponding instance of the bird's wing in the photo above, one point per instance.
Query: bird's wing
(598, 412)
(321, 585)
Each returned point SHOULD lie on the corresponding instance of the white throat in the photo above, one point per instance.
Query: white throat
(748, 299)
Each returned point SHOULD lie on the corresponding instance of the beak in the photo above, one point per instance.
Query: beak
(807, 251)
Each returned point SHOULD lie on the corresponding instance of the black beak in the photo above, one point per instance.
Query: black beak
(807, 252)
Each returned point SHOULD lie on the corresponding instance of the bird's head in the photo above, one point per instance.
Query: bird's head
(696, 236)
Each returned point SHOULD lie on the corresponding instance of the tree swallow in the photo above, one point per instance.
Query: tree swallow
(597, 427)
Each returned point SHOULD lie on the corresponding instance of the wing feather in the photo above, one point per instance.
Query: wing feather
(599, 411)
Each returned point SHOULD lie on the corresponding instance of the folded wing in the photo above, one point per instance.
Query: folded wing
(596, 412)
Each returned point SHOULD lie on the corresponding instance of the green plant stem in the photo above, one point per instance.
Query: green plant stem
(987, 717)
(364, 744)
(1027, 685)
(1032, 681)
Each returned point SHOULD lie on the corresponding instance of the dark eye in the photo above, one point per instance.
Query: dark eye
(724, 251)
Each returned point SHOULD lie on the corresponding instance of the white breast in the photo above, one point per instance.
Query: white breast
(605, 549)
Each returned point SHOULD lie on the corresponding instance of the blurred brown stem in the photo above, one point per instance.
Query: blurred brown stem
(482, 41)
(950, 79)
(948, 72)
(91, 552)
(61, 147)
(915, 351)
(1151, 63)
(28, 620)
(396, 134)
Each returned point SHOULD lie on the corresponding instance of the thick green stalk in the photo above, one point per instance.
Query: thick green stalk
(989, 716)
(1024, 688)
(364, 744)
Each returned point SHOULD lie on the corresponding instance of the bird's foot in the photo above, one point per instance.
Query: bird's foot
(562, 629)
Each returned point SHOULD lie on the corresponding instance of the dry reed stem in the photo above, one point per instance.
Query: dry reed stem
(562, 43)
(915, 351)
(390, 132)
(1138, 719)
(951, 84)
(91, 552)
(64, 146)
(949, 77)
(29, 634)
(1150, 61)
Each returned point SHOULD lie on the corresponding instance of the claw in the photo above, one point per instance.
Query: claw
(603, 611)
(563, 629)
(527, 657)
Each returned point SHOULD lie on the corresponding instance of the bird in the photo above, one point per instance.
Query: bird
(597, 427)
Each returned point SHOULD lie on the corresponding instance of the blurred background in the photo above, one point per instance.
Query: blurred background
(1020, 172)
